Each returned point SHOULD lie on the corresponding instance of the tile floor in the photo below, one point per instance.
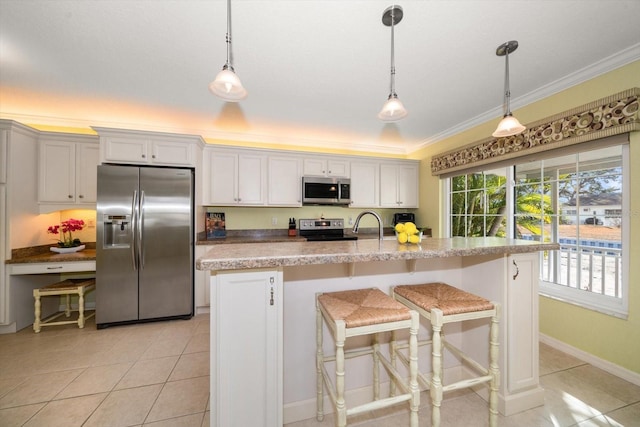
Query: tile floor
(157, 374)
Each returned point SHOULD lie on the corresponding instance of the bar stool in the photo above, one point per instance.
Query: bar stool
(442, 304)
(67, 288)
(356, 313)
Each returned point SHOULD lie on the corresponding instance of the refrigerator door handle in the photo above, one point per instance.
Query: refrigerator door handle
(140, 234)
(134, 219)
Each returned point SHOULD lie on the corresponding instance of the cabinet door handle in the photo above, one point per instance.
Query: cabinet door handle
(54, 268)
(70, 196)
(271, 301)
(153, 157)
(81, 196)
(517, 270)
(144, 156)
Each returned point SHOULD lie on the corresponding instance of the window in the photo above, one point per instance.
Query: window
(576, 200)
(478, 203)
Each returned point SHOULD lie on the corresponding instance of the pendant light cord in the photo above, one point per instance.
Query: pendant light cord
(392, 82)
(507, 91)
(228, 36)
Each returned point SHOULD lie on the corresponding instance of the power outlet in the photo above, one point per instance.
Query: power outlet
(274, 221)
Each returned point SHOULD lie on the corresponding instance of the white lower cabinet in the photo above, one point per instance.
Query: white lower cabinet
(521, 318)
(246, 348)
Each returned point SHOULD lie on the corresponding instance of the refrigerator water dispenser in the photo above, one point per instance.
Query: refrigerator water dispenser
(117, 231)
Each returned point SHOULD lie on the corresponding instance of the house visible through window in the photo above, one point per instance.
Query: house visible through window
(576, 200)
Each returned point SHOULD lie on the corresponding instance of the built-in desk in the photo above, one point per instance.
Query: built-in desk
(35, 270)
(262, 305)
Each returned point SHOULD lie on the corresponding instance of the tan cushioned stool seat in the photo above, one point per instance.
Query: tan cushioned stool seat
(68, 285)
(444, 297)
(363, 307)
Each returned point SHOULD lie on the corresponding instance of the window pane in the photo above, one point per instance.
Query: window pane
(478, 208)
(458, 183)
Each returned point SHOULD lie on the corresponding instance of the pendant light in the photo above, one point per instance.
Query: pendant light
(227, 85)
(392, 110)
(509, 125)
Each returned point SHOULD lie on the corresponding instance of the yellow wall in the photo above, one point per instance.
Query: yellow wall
(606, 337)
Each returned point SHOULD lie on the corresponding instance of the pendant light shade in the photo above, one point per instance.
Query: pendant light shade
(509, 125)
(392, 110)
(227, 84)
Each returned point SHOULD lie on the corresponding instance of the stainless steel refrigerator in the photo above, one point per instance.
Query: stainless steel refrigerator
(144, 244)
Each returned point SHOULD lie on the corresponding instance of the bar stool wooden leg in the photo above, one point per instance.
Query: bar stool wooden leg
(67, 310)
(319, 362)
(436, 366)
(341, 406)
(393, 348)
(413, 368)
(376, 368)
(80, 309)
(36, 321)
(494, 384)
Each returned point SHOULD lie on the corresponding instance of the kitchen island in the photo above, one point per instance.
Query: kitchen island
(263, 316)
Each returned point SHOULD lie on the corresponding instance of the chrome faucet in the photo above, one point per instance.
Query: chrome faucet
(363, 213)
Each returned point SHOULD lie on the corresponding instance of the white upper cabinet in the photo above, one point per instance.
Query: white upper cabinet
(87, 160)
(67, 171)
(172, 153)
(235, 178)
(399, 185)
(365, 184)
(319, 166)
(285, 181)
(149, 151)
(148, 148)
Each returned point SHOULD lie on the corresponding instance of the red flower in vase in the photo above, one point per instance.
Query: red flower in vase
(65, 229)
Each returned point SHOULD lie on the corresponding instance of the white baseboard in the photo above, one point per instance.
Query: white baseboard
(203, 310)
(11, 328)
(605, 365)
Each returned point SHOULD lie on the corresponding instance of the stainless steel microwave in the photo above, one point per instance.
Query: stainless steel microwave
(326, 191)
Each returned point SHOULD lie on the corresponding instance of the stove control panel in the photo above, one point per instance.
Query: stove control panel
(321, 224)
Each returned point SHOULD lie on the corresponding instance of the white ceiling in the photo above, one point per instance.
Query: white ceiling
(317, 72)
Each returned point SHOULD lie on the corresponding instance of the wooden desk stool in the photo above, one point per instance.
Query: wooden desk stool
(66, 287)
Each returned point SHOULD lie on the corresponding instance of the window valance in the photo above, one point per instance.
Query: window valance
(613, 115)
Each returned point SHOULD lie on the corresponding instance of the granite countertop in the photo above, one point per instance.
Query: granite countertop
(38, 254)
(265, 255)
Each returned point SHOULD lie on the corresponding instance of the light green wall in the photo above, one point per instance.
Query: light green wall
(247, 218)
(606, 337)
